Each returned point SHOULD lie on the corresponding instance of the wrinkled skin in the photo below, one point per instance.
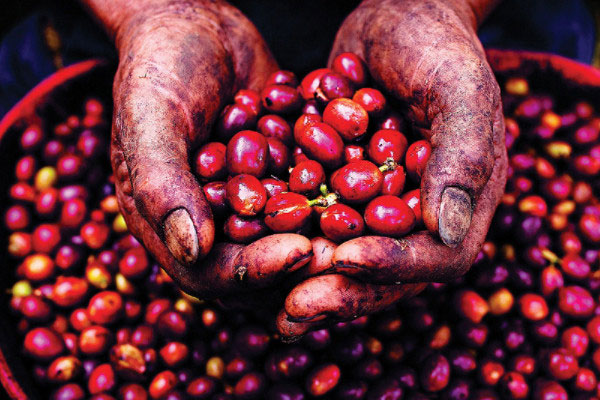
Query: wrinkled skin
(179, 63)
(427, 55)
(171, 83)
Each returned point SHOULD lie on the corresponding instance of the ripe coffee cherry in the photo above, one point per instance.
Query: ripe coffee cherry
(279, 156)
(244, 229)
(387, 143)
(393, 181)
(210, 161)
(372, 100)
(417, 156)
(43, 344)
(413, 200)
(69, 166)
(282, 77)
(46, 202)
(287, 212)
(246, 195)
(357, 182)
(323, 379)
(321, 142)
(215, 195)
(16, 218)
(274, 126)
(353, 153)
(347, 117)
(340, 222)
(32, 137)
(45, 238)
(389, 216)
(105, 307)
(25, 168)
(311, 82)
(306, 178)
(249, 98)
(248, 153)
(281, 99)
(334, 86)
(235, 118)
(274, 186)
(352, 67)
(304, 121)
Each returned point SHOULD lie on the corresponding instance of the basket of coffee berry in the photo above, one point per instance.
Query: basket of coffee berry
(90, 314)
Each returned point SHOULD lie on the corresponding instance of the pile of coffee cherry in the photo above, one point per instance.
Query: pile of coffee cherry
(327, 157)
(98, 318)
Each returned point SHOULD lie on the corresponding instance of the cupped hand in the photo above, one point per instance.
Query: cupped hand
(426, 54)
(179, 63)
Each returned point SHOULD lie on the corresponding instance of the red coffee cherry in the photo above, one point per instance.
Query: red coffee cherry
(282, 77)
(235, 118)
(323, 379)
(25, 168)
(353, 153)
(249, 98)
(244, 229)
(16, 218)
(246, 195)
(389, 216)
(69, 291)
(279, 156)
(417, 156)
(347, 117)
(322, 143)
(357, 182)
(247, 153)
(435, 374)
(385, 144)
(215, 195)
(334, 86)
(393, 181)
(210, 161)
(45, 238)
(372, 100)
(105, 307)
(102, 379)
(562, 364)
(306, 178)
(43, 344)
(311, 82)
(352, 67)
(274, 126)
(287, 212)
(47, 202)
(274, 186)
(281, 99)
(340, 222)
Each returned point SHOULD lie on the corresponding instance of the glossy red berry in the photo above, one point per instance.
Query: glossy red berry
(417, 156)
(357, 182)
(389, 216)
(340, 222)
(246, 195)
(352, 67)
(248, 153)
(322, 143)
(287, 212)
(347, 117)
(306, 178)
(210, 161)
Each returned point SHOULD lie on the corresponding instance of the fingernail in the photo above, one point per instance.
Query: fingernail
(455, 216)
(181, 237)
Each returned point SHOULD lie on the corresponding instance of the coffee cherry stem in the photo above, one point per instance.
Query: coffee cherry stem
(550, 256)
(323, 189)
(388, 165)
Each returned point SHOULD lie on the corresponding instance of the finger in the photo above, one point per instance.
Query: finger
(323, 250)
(165, 101)
(463, 156)
(336, 298)
(264, 262)
(421, 257)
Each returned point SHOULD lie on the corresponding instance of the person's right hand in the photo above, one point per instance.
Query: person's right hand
(179, 62)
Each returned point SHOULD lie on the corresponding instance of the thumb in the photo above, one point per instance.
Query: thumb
(462, 159)
(152, 135)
